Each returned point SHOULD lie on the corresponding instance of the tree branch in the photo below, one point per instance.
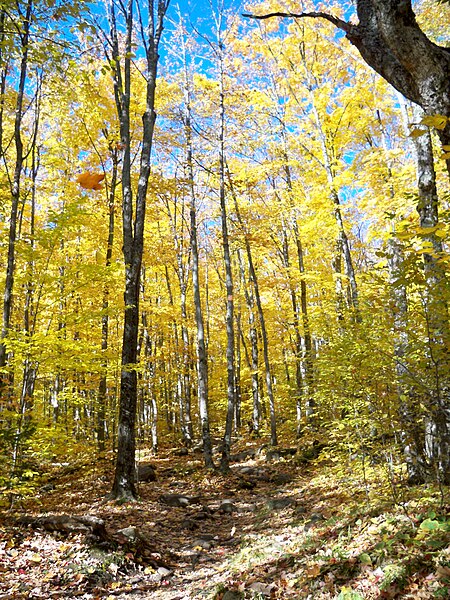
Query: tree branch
(347, 27)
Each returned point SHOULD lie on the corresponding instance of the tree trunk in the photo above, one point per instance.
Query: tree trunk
(25, 27)
(133, 216)
(254, 365)
(202, 358)
(262, 322)
(102, 388)
(231, 396)
(437, 442)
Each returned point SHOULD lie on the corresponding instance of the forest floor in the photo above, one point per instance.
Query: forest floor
(282, 528)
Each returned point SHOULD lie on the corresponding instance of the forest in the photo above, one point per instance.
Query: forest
(224, 258)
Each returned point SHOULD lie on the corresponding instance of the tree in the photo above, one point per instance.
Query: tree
(390, 41)
(133, 210)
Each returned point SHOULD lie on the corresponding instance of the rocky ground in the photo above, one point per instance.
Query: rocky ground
(277, 528)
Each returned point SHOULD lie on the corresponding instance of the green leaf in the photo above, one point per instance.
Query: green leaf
(365, 559)
(430, 525)
(348, 594)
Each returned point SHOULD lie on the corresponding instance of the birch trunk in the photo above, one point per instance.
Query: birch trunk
(202, 359)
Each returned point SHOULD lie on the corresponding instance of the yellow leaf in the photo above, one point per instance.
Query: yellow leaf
(312, 571)
(417, 132)
(437, 121)
(36, 558)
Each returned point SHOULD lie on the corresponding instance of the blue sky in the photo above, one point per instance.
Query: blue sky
(200, 10)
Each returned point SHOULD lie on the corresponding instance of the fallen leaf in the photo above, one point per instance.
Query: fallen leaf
(36, 558)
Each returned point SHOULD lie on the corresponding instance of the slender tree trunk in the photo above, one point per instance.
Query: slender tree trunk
(231, 395)
(182, 270)
(25, 27)
(30, 367)
(102, 388)
(253, 334)
(202, 358)
(237, 383)
(305, 349)
(342, 251)
(262, 322)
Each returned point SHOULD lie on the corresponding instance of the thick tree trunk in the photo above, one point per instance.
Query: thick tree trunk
(437, 442)
(133, 216)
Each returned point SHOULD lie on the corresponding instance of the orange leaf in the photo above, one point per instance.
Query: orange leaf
(90, 181)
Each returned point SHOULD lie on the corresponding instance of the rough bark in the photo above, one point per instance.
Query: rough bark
(133, 217)
(437, 439)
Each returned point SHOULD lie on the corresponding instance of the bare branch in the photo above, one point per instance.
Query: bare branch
(347, 27)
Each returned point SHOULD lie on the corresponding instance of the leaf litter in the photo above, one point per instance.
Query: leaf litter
(267, 530)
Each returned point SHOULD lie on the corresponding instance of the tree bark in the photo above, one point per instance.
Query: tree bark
(437, 439)
(262, 322)
(133, 217)
(202, 357)
(24, 33)
(102, 388)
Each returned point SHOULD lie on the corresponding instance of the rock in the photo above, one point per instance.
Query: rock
(146, 472)
(300, 510)
(88, 524)
(315, 518)
(242, 456)
(309, 453)
(207, 536)
(279, 503)
(201, 543)
(131, 533)
(278, 453)
(254, 473)
(164, 572)
(246, 484)
(179, 500)
(189, 524)
(203, 514)
(281, 478)
(232, 595)
(181, 452)
(227, 506)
